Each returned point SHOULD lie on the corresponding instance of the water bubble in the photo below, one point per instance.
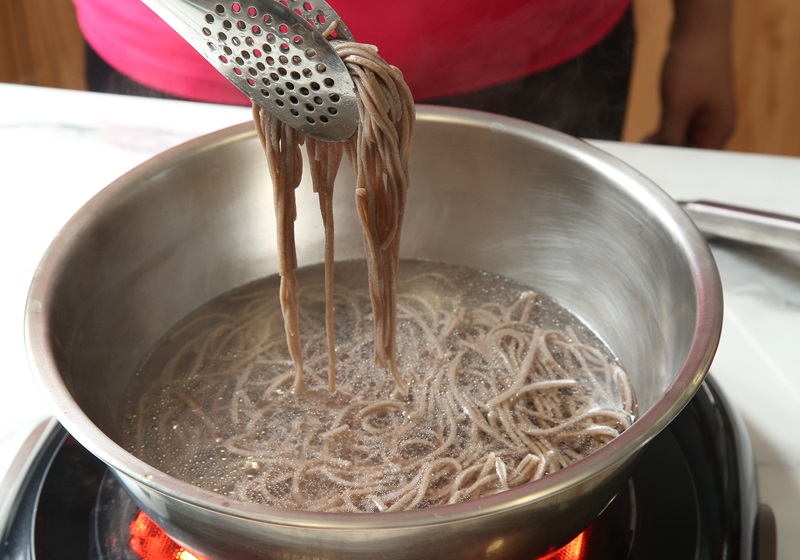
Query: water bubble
(252, 468)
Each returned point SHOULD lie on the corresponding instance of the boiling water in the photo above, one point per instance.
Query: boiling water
(505, 386)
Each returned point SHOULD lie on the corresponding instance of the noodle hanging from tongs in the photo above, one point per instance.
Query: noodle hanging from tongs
(378, 153)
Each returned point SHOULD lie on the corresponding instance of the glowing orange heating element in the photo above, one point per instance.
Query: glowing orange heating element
(574, 550)
(150, 542)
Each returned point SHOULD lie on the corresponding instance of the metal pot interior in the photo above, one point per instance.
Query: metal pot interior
(487, 192)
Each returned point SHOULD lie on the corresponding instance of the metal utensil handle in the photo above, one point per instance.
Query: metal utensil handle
(745, 224)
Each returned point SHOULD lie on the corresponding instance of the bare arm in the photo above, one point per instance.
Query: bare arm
(697, 92)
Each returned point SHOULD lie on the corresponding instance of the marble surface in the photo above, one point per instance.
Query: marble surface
(58, 148)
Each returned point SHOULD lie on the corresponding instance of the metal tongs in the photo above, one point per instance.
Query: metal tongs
(277, 52)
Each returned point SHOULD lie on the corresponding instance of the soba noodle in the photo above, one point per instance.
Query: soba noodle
(492, 384)
(505, 386)
(378, 153)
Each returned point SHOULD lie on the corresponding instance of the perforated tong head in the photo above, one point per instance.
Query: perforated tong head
(277, 53)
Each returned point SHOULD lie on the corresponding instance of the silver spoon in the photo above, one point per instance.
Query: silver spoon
(276, 52)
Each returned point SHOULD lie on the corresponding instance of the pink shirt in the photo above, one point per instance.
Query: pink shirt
(443, 47)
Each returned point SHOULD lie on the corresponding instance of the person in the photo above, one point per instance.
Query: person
(565, 65)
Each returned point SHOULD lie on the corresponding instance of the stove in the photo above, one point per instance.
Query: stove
(693, 495)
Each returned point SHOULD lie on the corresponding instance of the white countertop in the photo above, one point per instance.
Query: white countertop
(58, 148)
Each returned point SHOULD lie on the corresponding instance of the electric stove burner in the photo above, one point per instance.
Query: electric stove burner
(693, 495)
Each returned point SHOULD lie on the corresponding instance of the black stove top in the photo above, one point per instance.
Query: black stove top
(693, 495)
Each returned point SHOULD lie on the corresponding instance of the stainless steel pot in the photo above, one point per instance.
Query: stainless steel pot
(488, 192)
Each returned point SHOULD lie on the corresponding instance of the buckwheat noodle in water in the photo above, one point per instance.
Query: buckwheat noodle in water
(493, 384)
(504, 387)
